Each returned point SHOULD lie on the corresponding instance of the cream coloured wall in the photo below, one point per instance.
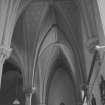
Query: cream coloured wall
(61, 89)
(101, 4)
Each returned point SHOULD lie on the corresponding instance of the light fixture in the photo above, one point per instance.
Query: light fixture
(16, 101)
(100, 47)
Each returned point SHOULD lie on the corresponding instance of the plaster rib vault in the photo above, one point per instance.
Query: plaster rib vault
(45, 39)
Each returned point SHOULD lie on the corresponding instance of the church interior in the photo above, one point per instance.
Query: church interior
(52, 52)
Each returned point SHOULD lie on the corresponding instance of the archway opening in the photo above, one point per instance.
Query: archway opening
(61, 87)
(11, 85)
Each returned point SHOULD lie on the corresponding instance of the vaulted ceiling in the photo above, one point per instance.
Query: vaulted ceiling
(34, 24)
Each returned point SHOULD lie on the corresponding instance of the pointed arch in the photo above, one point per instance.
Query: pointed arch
(52, 53)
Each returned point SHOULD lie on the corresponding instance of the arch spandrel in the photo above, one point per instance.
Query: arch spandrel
(52, 37)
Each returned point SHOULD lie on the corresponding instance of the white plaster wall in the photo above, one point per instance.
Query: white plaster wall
(101, 4)
(61, 89)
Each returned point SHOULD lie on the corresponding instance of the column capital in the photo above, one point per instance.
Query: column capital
(5, 52)
(92, 43)
(29, 91)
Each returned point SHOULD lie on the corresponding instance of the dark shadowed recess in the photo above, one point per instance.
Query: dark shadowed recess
(11, 82)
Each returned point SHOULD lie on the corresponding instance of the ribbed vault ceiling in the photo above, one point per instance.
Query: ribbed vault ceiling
(34, 24)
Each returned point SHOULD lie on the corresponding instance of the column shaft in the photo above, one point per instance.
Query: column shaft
(28, 99)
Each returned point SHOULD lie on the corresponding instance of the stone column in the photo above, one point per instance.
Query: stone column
(28, 95)
(4, 54)
(28, 98)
